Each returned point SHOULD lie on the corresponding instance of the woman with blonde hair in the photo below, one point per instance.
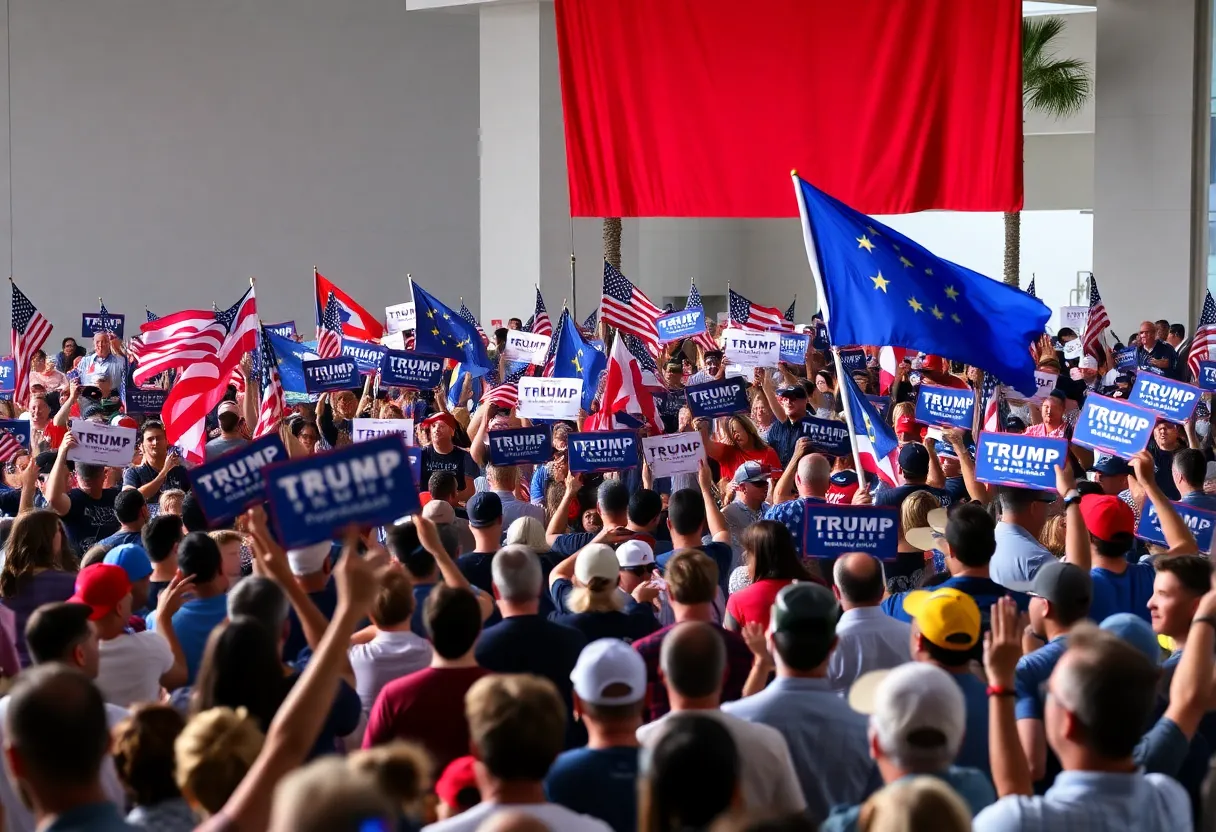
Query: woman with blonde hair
(144, 760)
(213, 754)
(742, 443)
(38, 569)
(1053, 534)
(527, 531)
(586, 590)
(914, 560)
(915, 804)
(762, 415)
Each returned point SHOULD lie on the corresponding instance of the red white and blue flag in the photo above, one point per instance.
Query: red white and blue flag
(266, 370)
(747, 315)
(329, 334)
(1205, 336)
(626, 401)
(702, 339)
(357, 322)
(30, 331)
(539, 323)
(1098, 320)
(627, 308)
(872, 437)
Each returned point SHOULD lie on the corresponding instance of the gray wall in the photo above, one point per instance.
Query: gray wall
(165, 150)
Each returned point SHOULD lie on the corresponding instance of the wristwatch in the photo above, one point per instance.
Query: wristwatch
(1073, 496)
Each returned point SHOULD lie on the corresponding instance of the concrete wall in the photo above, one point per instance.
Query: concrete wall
(165, 150)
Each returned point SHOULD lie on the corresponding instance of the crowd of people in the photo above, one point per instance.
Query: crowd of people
(539, 649)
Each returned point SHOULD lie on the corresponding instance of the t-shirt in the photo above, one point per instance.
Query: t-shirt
(89, 520)
(427, 707)
(755, 603)
(130, 667)
(326, 600)
(719, 553)
(38, 589)
(344, 716)
(417, 621)
(120, 539)
(193, 624)
(155, 588)
(636, 622)
(1163, 469)
(895, 496)
(458, 461)
(1030, 681)
(783, 436)
(553, 816)
(600, 782)
(985, 592)
(732, 458)
(219, 446)
(475, 566)
(138, 476)
(973, 752)
(388, 656)
(1199, 500)
(1128, 592)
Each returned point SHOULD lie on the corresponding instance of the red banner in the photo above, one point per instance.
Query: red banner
(700, 108)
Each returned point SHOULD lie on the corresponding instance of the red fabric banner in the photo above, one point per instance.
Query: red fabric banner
(700, 108)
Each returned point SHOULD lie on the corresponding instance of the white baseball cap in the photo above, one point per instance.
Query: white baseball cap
(1088, 362)
(310, 559)
(916, 710)
(634, 553)
(596, 560)
(605, 663)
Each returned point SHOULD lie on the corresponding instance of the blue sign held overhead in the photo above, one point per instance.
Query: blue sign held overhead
(1113, 426)
(365, 484)
(679, 325)
(833, 530)
(410, 369)
(1125, 359)
(1172, 399)
(520, 445)
(287, 329)
(717, 398)
(853, 361)
(1022, 461)
(602, 451)
(415, 457)
(367, 356)
(20, 428)
(829, 436)
(794, 347)
(228, 485)
(945, 406)
(327, 374)
(821, 341)
(90, 322)
(8, 375)
(1207, 375)
(1199, 522)
(140, 400)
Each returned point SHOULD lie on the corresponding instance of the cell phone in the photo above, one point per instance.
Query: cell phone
(935, 433)
(72, 375)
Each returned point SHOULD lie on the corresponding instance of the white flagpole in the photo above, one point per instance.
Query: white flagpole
(812, 256)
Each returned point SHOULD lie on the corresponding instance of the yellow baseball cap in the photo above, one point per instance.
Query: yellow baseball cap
(946, 617)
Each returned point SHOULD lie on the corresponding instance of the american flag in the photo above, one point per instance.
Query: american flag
(30, 331)
(638, 350)
(468, 318)
(703, 339)
(10, 445)
(137, 342)
(175, 341)
(105, 322)
(547, 367)
(626, 307)
(748, 315)
(527, 327)
(789, 313)
(1098, 321)
(1205, 336)
(329, 336)
(991, 396)
(541, 325)
(592, 319)
(266, 370)
(1030, 289)
(506, 392)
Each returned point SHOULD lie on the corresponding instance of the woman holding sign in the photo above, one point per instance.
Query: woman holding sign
(745, 445)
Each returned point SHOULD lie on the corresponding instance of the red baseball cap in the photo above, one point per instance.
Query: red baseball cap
(439, 417)
(101, 587)
(906, 424)
(1105, 516)
(456, 778)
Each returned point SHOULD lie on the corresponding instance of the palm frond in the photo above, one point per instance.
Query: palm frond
(1058, 87)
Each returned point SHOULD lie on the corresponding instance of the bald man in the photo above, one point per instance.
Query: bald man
(812, 477)
(1155, 355)
(869, 639)
(513, 822)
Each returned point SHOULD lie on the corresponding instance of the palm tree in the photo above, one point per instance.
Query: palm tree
(612, 241)
(1058, 87)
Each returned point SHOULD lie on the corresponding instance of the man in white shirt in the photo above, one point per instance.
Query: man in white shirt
(517, 727)
(867, 638)
(133, 667)
(394, 650)
(693, 661)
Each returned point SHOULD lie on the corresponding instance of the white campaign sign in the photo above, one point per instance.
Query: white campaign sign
(753, 349)
(549, 398)
(1072, 349)
(101, 444)
(394, 341)
(364, 429)
(1044, 382)
(1074, 317)
(526, 346)
(400, 316)
(673, 453)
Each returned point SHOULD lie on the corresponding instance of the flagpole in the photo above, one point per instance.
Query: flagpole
(812, 257)
(573, 280)
(316, 308)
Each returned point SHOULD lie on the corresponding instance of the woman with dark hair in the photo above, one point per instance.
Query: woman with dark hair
(743, 444)
(241, 668)
(38, 569)
(555, 469)
(690, 778)
(143, 757)
(772, 563)
(308, 433)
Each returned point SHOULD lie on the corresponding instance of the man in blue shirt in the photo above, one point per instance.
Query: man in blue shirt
(198, 557)
(789, 405)
(1190, 468)
(914, 466)
(1155, 355)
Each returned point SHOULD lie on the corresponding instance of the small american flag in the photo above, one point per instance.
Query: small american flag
(991, 397)
(1205, 336)
(329, 337)
(638, 350)
(10, 445)
(626, 307)
(468, 318)
(266, 370)
(789, 313)
(106, 322)
(592, 319)
(506, 393)
(1030, 289)
(29, 332)
(748, 315)
(541, 325)
(1098, 321)
(703, 339)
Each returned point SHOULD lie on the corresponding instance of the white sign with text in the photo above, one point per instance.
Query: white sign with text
(753, 349)
(362, 430)
(549, 398)
(673, 453)
(400, 316)
(101, 444)
(526, 346)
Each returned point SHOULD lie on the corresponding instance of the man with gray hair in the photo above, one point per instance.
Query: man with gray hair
(263, 600)
(693, 661)
(525, 641)
(867, 638)
(917, 718)
(503, 480)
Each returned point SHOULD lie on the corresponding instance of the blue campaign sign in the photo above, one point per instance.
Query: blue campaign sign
(881, 403)
(8, 375)
(1200, 523)
(945, 406)
(366, 484)
(228, 485)
(853, 360)
(327, 374)
(1113, 426)
(1207, 375)
(410, 369)
(827, 435)
(366, 356)
(1125, 359)
(145, 401)
(794, 347)
(679, 325)
(519, 445)
(822, 340)
(19, 428)
(717, 398)
(1022, 461)
(415, 456)
(602, 451)
(91, 321)
(1172, 399)
(287, 329)
(833, 530)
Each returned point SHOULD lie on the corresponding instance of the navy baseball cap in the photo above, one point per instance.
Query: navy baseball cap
(1111, 466)
(793, 391)
(484, 509)
(914, 459)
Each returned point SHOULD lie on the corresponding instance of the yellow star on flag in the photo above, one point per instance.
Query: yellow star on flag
(916, 305)
(430, 313)
(952, 293)
(907, 263)
(880, 282)
(864, 242)
(929, 272)
(937, 313)
(895, 246)
(434, 332)
(873, 231)
(869, 427)
(954, 317)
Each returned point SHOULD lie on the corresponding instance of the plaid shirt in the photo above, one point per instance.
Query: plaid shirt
(738, 666)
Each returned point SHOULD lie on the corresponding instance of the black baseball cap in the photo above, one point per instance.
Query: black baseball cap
(914, 459)
(484, 509)
(792, 391)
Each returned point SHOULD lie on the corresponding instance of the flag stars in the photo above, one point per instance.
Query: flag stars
(954, 317)
(952, 293)
(873, 231)
(937, 313)
(916, 305)
(895, 246)
(880, 282)
(929, 272)
(907, 263)
(864, 242)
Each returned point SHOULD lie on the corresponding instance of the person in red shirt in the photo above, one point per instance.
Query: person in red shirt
(772, 564)
(427, 706)
(745, 445)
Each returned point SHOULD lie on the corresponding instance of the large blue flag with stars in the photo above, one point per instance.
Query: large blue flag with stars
(575, 358)
(883, 289)
(440, 331)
